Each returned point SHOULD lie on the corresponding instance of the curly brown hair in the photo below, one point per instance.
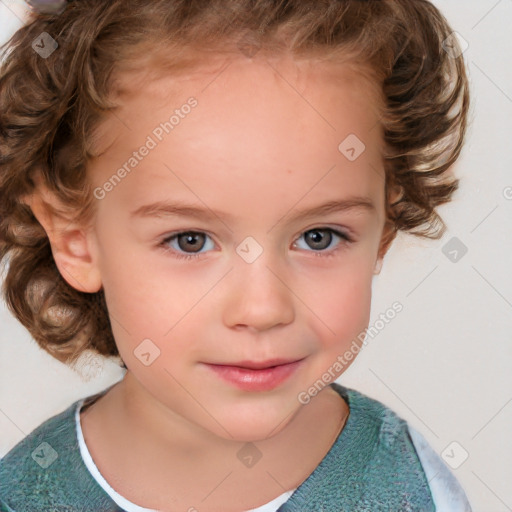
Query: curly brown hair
(51, 106)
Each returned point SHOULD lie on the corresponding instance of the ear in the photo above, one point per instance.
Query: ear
(70, 242)
(388, 235)
(389, 231)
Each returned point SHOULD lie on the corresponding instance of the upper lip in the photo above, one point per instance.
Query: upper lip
(258, 365)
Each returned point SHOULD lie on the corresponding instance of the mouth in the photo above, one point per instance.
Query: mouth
(258, 365)
(256, 375)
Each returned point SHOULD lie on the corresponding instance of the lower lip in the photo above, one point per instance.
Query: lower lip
(255, 380)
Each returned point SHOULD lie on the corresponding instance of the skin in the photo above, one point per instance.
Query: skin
(261, 144)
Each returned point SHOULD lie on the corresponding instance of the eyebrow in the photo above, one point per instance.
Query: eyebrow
(164, 209)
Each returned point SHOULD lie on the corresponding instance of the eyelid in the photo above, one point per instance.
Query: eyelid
(177, 232)
(342, 230)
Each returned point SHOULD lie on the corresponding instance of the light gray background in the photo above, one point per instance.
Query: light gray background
(444, 362)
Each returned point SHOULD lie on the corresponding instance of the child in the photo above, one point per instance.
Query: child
(286, 142)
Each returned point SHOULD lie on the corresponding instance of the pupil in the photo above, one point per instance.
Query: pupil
(319, 239)
(192, 239)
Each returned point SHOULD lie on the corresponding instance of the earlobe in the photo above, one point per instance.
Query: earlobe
(378, 266)
(70, 242)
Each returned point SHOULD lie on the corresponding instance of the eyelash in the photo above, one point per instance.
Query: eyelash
(346, 240)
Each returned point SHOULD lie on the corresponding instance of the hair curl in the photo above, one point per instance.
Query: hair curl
(51, 106)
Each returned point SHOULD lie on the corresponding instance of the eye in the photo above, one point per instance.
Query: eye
(320, 239)
(187, 244)
(190, 244)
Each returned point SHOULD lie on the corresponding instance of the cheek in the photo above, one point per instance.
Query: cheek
(135, 306)
(148, 302)
(341, 303)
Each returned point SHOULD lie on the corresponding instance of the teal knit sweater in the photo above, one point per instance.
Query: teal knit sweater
(373, 466)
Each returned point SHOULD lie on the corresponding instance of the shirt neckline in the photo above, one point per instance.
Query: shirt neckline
(120, 500)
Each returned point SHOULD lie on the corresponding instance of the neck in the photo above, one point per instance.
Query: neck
(135, 438)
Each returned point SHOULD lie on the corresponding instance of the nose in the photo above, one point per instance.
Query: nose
(258, 296)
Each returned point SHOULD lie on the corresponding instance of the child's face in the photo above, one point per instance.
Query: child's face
(258, 147)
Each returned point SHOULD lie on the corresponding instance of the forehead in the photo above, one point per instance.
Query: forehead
(255, 122)
(218, 81)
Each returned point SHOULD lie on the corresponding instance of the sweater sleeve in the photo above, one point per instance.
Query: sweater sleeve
(446, 491)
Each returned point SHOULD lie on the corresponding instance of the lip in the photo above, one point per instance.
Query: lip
(256, 376)
(261, 365)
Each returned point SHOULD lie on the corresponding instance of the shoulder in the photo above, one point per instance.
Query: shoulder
(403, 449)
(446, 490)
(39, 450)
(45, 469)
(375, 419)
